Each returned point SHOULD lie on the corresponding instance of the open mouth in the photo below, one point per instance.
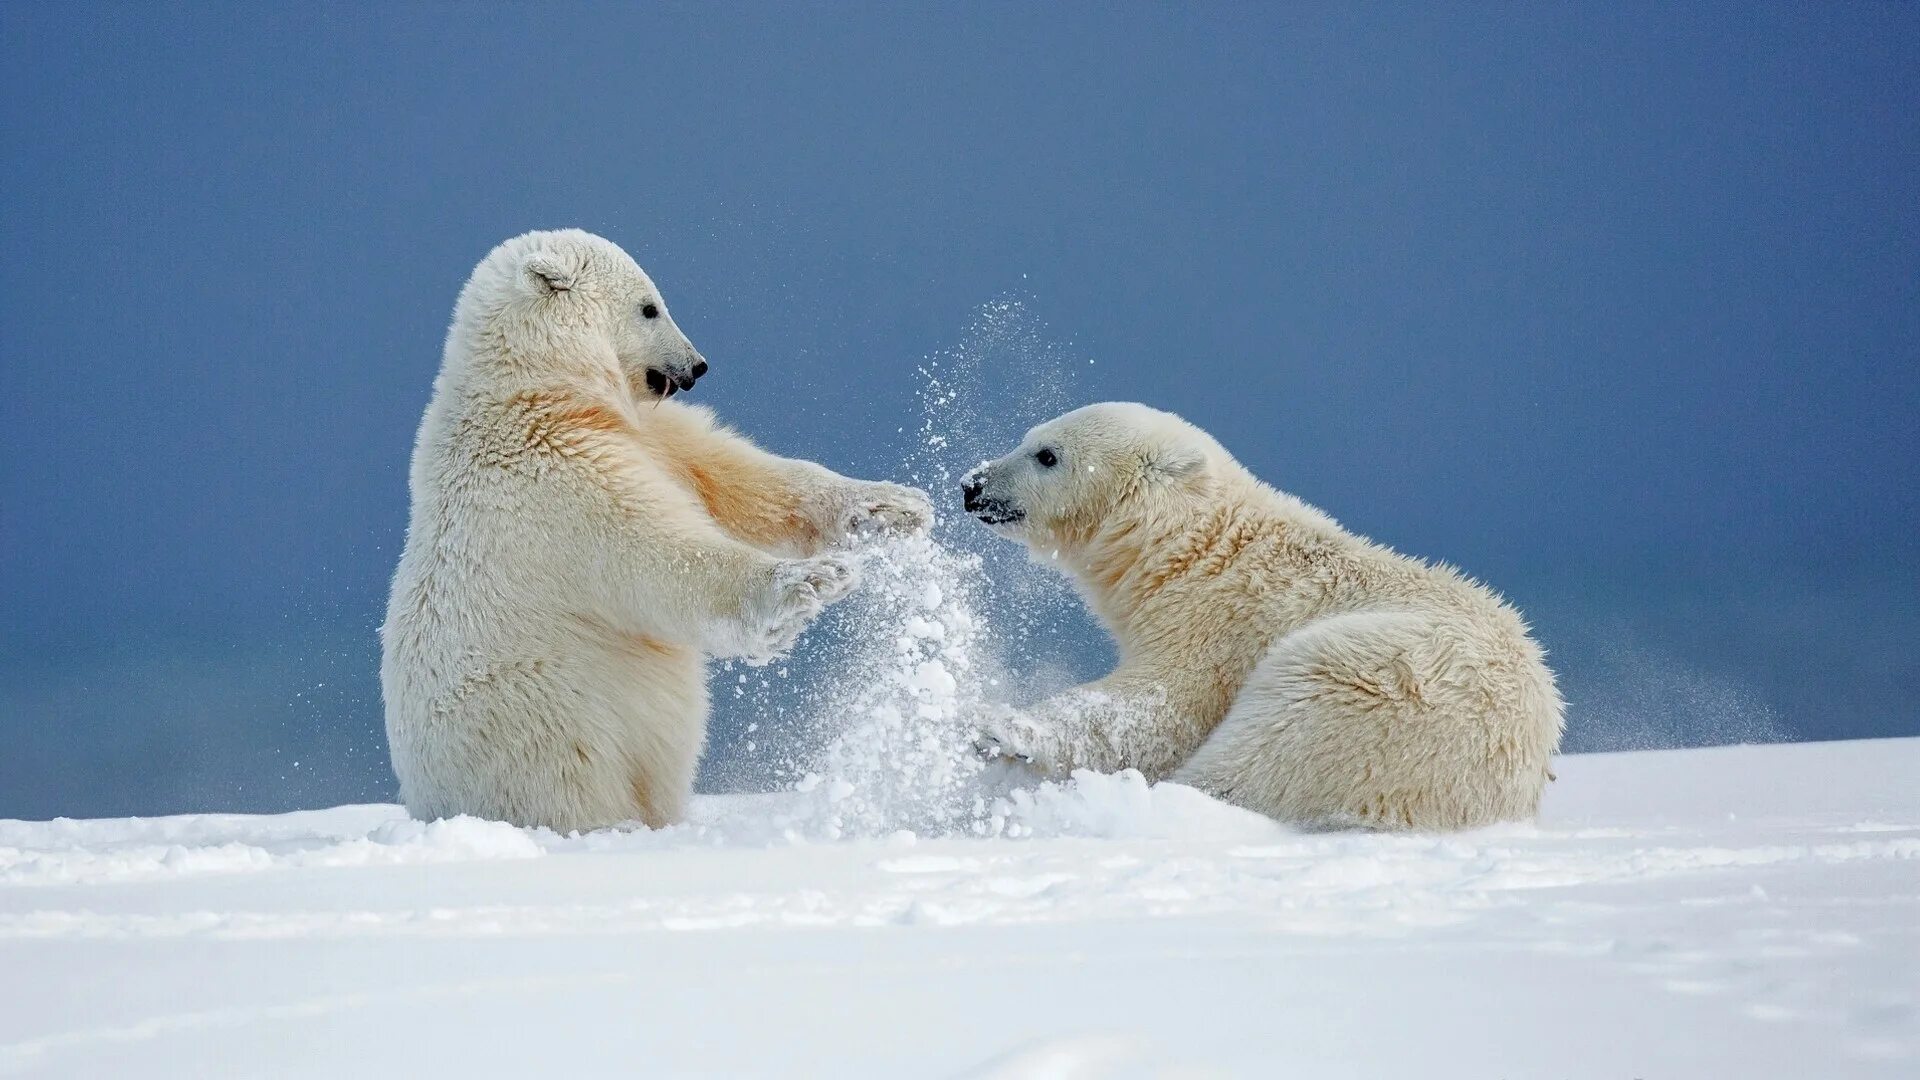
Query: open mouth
(997, 515)
(662, 385)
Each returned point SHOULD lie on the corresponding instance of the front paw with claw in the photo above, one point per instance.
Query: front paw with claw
(869, 512)
(792, 599)
(990, 747)
(1001, 733)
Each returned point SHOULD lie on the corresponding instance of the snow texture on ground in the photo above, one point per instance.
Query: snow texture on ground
(1750, 912)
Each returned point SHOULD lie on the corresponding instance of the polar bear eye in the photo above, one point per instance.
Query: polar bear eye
(1047, 459)
(651, 311)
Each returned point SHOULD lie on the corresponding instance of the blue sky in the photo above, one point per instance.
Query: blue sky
(1617, 306)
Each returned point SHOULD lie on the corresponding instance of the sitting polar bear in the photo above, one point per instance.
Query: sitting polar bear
(1267, 656)
(578, 543)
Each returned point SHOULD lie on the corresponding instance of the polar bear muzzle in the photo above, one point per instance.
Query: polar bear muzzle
(988, 508)
(662, 382)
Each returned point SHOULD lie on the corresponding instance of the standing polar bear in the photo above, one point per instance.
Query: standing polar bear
(578, 544)
(1267, 656)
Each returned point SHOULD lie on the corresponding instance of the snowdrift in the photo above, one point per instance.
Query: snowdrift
(1735, 912)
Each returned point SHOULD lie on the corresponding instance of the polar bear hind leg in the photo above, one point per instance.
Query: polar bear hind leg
(1380, 720)
(556, 743)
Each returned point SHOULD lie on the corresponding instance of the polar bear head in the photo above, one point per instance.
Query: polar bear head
(568, 291)
(1094, 468)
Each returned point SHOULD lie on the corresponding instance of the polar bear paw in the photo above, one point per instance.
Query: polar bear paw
(878, 510)
(1000, 732)
(793, 598)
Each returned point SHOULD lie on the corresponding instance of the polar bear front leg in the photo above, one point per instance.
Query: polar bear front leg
(777, 504)
(1004, 733)
(851, 512)
(1127, 720)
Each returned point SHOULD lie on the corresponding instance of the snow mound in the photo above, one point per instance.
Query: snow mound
(1083, 1057)
(1734, 912)
(147, 849)
(1123, 806)
(67, 852)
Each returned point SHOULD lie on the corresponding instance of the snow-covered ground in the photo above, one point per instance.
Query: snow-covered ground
(1744, 912)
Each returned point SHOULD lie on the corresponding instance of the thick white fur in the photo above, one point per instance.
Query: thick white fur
(578, 545)
(1268, 656)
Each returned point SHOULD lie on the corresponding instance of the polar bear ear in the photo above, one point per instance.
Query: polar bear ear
(1175, 462)
(546, 273)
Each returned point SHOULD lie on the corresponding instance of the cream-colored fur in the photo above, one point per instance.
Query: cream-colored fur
(1267, 656)
(579, 543)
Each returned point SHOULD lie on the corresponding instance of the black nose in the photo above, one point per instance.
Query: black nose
(970, 489)
(699, 368)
